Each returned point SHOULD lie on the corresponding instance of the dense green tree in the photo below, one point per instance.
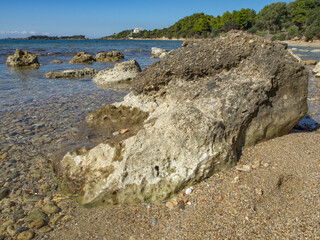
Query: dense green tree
(299, 9)
(298, 18)
(246, 18)
(313, 23)
(272, 17)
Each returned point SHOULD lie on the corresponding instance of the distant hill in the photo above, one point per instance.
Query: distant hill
(299, 19)
(41, 37)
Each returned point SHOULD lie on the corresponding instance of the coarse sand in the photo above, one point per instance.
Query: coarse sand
(274, 194)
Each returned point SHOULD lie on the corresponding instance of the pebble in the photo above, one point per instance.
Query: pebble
(244, 168)
(256, 165)
(3, 193)
(45, 229)
(38, 215)
(50, 208)
(220, 198)
(169, 205)
(154, 221)
(37, 224)
(12, 230)
(265, 165)
(26, 235)
(189, 190)
(259, 191)
(123, 131)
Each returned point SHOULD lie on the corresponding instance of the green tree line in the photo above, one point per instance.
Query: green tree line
(297, 19)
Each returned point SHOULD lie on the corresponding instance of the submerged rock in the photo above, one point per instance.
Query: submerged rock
(113, 56)
(57, 61)
(121, 72)
(191, 115)
(158, 52)
(23, 59)
(72, 73)
(82, 57)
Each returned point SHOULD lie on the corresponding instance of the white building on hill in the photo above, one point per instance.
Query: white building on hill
(137, 30)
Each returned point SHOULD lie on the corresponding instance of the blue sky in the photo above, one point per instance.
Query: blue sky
(97, 18)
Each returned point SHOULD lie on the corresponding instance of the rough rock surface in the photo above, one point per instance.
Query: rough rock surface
(121, 72)
(113, 56)
(82, 57)
(72, 73)
(158, 52)
(204, 103)
(23, 59)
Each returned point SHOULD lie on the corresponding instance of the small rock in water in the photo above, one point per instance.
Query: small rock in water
(26, 235)
(154, 221)
(37, 224)
(189, 190)
(36, 215)
(45, 229)
(50, 208)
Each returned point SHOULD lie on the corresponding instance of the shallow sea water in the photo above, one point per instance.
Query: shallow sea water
(29, 86)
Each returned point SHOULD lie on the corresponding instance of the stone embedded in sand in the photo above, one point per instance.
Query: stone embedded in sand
(82, 57)
(120, 73)
(113, 56)
(200, 105)
(23, 59)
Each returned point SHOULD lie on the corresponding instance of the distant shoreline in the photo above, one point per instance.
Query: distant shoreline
(315, 43)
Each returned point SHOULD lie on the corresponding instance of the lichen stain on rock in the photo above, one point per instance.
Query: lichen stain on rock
(117, 157)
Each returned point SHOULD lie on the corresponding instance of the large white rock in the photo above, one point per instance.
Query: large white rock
(189, 116)
(121, 72)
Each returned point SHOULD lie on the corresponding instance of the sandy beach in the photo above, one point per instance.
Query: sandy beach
(277, 198)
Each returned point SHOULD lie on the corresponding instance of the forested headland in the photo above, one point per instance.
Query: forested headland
(299, 19)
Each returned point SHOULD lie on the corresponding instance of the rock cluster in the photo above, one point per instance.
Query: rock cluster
(72, 73)
(113, 56)
(158, 52)
(121, 72)
(23, 59)
(189, 116)
(82, 57)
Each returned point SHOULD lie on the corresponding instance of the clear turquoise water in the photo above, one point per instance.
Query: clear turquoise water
(29, 86)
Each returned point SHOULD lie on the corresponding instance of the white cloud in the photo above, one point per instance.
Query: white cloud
(19, 34)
